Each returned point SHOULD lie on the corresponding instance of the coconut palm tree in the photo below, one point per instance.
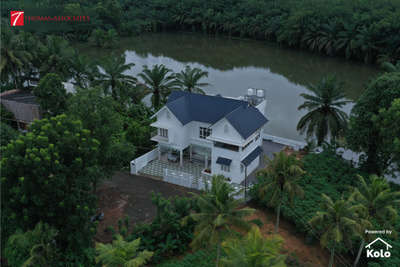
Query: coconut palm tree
(83, 70)
(391, 67)
(122, 253)
(13, 58)
(338, 223)
(324, 115)
(189, 79)
(219, 215)
(113, 75)
(55, 57)
(160, 81)
(279, 179)
(378, 204)
(253, 251)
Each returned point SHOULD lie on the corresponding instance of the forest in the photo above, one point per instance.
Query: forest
(363, 30)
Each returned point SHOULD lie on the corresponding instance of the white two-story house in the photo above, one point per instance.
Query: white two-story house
(223, 133)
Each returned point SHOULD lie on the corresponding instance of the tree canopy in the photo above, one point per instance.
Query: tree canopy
(370, 134)
(47, 176)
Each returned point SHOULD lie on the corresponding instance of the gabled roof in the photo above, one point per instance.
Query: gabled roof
(189, 107)
(254, 154)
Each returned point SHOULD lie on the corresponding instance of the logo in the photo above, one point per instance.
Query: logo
(17, 18)
(371, 253)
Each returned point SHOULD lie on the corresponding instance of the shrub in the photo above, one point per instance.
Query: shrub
(166, 235)
(201, 258)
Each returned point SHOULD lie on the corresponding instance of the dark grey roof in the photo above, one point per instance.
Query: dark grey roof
(246, 120)
(254, 154)
(224, 161)
(21, 97)
(189, 107)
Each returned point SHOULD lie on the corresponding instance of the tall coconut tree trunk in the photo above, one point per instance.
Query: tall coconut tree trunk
(278, 216)
(359, 252)
(332, 257)
(218, 253)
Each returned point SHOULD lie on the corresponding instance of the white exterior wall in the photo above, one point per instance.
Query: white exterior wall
(253, 165)
(234, 169)
(194, 134)
(178, 135)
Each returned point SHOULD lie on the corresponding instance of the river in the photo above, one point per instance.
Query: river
(235, 65)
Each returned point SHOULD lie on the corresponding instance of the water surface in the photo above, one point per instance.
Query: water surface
(235, 65)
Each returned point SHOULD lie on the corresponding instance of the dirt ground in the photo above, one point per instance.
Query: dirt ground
(308, 255)
(130, 195)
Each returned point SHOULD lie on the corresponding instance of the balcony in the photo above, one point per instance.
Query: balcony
(156, 137)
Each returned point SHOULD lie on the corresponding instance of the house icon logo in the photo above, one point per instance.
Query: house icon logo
(371, 253)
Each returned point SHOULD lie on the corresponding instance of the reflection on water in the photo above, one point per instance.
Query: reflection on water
(235, 65)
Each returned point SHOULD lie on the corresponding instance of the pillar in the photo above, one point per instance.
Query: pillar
(206, 161)
(190, 152)
(181, 157)
(159, 152)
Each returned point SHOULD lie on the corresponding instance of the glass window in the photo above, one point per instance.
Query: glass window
(204, 132)
(163, 132)
(225, 168)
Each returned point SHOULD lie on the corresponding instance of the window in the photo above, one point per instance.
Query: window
(204, 132)
(248, 144)
(226, 146)
(226, 128)
(225, 168)
(163, 132)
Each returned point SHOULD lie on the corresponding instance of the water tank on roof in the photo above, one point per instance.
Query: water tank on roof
(250, 91)
(260, 93)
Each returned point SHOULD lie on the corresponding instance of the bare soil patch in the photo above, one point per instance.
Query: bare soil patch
(130, 195)
(308, 255)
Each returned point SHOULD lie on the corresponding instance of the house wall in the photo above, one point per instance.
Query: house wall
(230, 136)
(253, 166)
(177, 133)
(234, 171)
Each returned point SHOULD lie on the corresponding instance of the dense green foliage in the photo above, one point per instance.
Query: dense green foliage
(219, 215)
(7, 133)
(363, 30)
(33, 248)
(253, 250)
(200, 258)
(166, 235)
(388, 121)
(122, 253)
(368, 135)
(325, 173)
(337, 222)
(51, 95)
(279, 180)
(324, 117)
(94, 110)
(47, 176)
